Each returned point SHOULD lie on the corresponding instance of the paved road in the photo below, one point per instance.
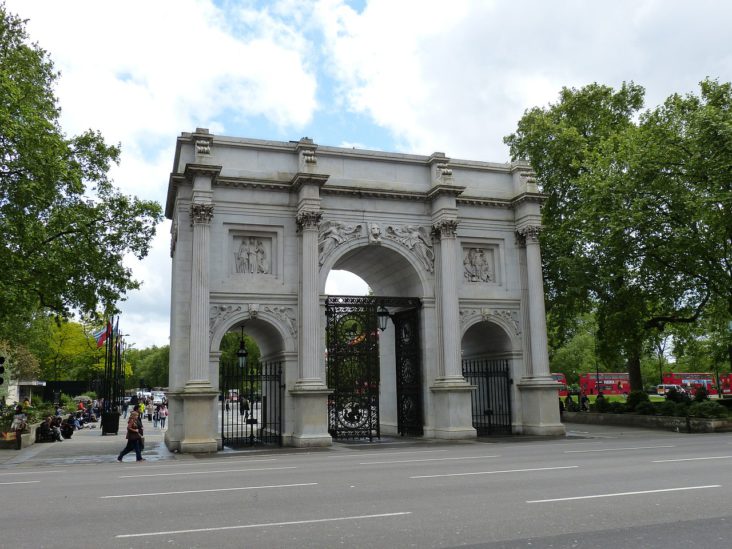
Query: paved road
(599, 487)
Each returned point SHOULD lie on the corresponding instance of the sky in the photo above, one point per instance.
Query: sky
(412, 76)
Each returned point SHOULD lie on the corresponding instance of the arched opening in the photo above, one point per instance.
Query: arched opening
(486, 364)
(251, 385)
(375, 373)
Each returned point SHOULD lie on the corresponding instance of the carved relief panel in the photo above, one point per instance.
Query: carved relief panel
(479, 264)
(252, 254)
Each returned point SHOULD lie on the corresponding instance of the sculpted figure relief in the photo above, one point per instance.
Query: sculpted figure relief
(418, 240)
(252, 257)
(477, 265)
(333, 234)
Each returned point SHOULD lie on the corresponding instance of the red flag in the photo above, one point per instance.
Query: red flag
(102, 335)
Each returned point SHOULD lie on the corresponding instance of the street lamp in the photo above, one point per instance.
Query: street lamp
(383, 316)
(242, 352)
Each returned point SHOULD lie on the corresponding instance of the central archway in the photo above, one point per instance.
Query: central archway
(376, 376)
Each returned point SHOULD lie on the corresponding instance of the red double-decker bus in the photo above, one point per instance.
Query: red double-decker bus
(610, 383)
(690, 381)
(562, 380)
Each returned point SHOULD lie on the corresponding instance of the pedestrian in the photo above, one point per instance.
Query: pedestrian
(156, 416)
(163, 415)
(133, 437)
(19, 425)
(584, 402)
(125, 406)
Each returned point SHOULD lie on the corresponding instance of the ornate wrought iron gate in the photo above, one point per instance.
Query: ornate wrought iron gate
(251, 404)
(353, 367)
(408, 371)
(352, 337)
(491, 401)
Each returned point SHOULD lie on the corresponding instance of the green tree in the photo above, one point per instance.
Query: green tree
(638, 217)
(150, 364)
(65, 227)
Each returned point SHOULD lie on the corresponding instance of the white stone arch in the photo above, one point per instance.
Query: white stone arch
(273, 327)
(354, 254)
(505, 319)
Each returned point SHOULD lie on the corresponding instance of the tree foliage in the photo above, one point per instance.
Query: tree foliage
(65, 226)
(638, 218)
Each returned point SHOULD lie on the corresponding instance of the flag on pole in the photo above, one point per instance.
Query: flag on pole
(102, 334)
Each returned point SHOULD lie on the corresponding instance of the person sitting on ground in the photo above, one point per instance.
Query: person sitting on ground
(45, 429)
(67, 428)
(56, 428)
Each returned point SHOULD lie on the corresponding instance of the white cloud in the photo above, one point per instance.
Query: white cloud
(458, 79)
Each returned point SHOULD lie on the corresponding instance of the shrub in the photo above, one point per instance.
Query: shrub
(666, 408)
(674, 395)
(635, 398)
(681, 409)
(645, 408)
(707, 409)
(617, 407)
(601, 405)
(701, 394)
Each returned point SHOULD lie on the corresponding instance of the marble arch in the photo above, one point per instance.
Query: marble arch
(256, 226)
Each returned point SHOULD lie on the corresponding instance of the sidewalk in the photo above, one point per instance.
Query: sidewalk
(87, 446)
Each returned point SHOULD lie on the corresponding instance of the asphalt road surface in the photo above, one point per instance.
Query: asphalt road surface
(599, 487)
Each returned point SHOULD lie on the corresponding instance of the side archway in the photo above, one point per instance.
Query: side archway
(489, 363)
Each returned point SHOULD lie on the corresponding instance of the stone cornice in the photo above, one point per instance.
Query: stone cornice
(535, 198)
(193, 170)
(301, 178)
(438, 190)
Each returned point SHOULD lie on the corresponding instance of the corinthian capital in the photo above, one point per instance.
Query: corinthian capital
(528, 234)
(201, 213)
(308, 220)
(446, 228)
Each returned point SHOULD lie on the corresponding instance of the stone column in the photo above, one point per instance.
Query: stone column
(540, 409)
(310, 393)
(449, 305)
(199, 395)
(537, 312)
(310, 374)
(201, 215)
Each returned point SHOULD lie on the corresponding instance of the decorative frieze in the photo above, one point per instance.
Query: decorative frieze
(201, 213)
(417, 240)
(287, 315)
(509, 316)
(334, 233)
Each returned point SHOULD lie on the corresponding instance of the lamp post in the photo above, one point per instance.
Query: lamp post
(382, 316)
(242, 353)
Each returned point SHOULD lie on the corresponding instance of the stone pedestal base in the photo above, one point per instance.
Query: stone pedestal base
(540, 407)
(310, 408)
(453, 418)
(199, 419)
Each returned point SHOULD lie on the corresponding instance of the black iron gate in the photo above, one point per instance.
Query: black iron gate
(353, 367)
(352, 338)
(408, 373)
(251, 404)
(491, 401)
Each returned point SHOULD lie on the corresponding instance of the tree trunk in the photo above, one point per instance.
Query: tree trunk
(634, 371)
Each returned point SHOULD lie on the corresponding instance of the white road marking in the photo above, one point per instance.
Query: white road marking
(20, 482)
(198, 463)
(362, 454)
(690, 459)
(206, 472)
(263, 525)
(498, 472)
(428, 459)
(615, 449)
(30, 473)
(210, 490)
(626, 493)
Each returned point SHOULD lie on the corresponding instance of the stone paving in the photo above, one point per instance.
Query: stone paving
(87, 446)
(90, 446)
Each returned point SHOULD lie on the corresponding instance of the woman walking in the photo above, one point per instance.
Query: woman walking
(133, 439)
